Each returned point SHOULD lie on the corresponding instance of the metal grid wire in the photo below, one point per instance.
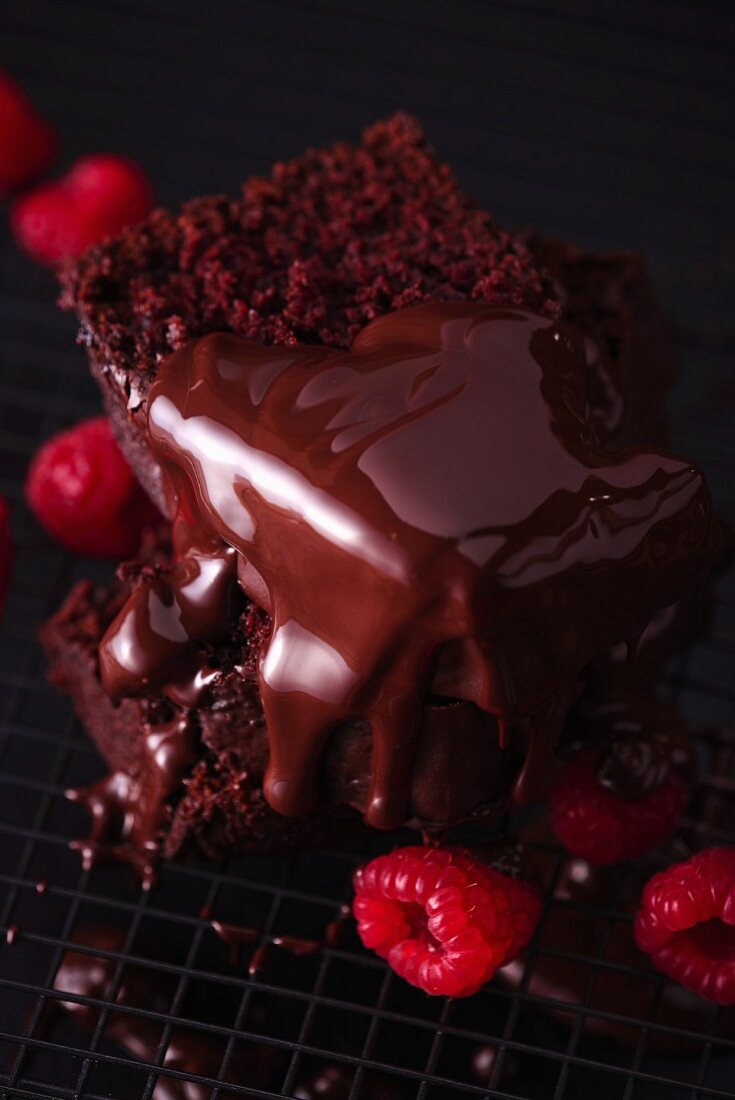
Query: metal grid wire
(606, 122)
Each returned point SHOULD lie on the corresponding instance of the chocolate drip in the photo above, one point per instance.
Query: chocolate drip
(155, 641)
(128, 809)
(91, 976)
(633, 767)
(426, 511)
(237, 936)
(332, 1082)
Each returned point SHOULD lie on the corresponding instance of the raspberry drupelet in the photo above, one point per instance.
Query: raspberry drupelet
(686, 923)
(443, 920)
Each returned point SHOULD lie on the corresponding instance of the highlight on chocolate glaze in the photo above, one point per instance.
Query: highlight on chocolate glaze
(289, 469)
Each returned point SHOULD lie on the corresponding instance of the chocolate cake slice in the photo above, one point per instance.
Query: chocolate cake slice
(332, 241)
(205, 793)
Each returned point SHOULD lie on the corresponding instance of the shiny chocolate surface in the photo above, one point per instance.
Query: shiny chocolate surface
(428, 511)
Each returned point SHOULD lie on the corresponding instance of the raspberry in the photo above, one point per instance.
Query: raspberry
(686, 923)
(96, 198)
(6, 551)
(444, 921)
(83, 492)
(596, 825)
(29, 143)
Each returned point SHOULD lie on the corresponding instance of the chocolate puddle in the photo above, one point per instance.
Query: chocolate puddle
(152, 990)
(441, 482)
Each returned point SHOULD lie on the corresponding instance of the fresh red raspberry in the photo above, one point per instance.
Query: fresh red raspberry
(686, 923)
(596, 825)
(6, 551)
(83, 492)
(443, 920)
(28, 143)
(97, 197)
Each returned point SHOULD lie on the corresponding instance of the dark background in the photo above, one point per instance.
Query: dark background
(609, 123)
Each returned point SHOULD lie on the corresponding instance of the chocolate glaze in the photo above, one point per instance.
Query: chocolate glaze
(172, 615)
(442, 478)
(91, 976)
(237, 936)
(297, 946)
(128, 809)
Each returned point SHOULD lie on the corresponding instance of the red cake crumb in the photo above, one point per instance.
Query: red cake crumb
(443, 920)
(596, 825)
(29, 142)
(95, 199)
(312, 253)
(83, 492)
(686, 923)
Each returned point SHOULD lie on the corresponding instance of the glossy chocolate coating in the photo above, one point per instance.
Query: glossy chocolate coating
(428, 511)
(588, 931)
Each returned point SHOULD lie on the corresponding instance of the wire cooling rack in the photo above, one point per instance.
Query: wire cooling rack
(609, 123)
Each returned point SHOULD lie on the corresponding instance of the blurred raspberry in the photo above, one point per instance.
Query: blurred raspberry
(443, 920)
(28, 143)
(686, 923)
(97, 197)
(597, 825)
(83, 492)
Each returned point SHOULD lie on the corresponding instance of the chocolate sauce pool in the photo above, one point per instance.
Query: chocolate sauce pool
(151, 990)
(428, 511)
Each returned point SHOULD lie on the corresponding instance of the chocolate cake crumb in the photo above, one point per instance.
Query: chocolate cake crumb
(310, 254)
